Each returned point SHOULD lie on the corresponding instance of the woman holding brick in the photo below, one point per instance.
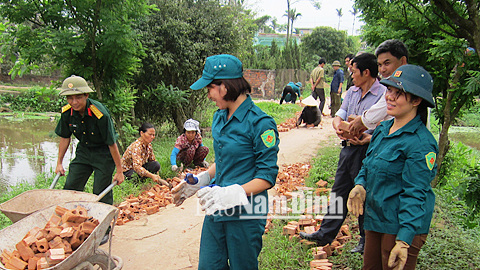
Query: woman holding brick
(234, 194)
(394, 182)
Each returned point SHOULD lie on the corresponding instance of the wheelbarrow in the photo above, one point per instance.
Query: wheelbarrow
(30, 201)
(87, 255)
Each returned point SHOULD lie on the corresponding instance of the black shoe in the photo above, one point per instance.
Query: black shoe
(358, 249)
(313, 237)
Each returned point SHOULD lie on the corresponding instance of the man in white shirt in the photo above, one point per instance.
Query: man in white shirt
(391, 54)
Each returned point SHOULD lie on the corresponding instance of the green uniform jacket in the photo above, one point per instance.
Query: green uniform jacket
(94, 129)
(396, 174)
(246, 147)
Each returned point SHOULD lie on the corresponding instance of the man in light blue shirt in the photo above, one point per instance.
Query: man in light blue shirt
(366, 91)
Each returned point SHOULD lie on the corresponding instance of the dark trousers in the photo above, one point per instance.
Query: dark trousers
(379, 245)
(320, 93)
(349, 165)
(151, 166)
(88, 160)
(288, 90)
(230, 245)
(335, 102)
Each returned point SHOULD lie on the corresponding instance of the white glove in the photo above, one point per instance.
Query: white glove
(217, 198)
(174, 168)
(185, 190)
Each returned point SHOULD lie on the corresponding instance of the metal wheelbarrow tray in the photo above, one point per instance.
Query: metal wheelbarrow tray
(32, 200)
(105, 213)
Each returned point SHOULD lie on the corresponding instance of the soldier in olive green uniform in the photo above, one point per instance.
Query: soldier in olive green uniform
(97, 150)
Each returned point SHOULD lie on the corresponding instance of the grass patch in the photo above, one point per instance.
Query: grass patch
(280, 113)
(280, 253)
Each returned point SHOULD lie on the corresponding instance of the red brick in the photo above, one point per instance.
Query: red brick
(25, 251)
(42, 245)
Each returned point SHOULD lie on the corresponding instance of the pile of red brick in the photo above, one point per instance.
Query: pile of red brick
(149, 202)
(43, 248)
(309, 225)
(292, 178)
(289, 123)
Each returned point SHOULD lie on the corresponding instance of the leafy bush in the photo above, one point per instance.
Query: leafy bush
(35, 99)
(460, 173)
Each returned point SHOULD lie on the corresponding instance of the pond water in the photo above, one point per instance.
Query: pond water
(467, 135)
(27, 148)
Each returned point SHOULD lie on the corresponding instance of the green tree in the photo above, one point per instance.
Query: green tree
(431, 30)
(79, 35)
(90, 38)
(293, 17)
(177, 39)
(324, 42)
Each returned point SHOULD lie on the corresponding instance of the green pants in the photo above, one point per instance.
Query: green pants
(231, 245)
(86, 161)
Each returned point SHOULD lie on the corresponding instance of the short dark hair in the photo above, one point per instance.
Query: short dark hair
(322, 61)
(235, 87)
(367, 61)
(143, 128)
(394, 47)
(349, 56)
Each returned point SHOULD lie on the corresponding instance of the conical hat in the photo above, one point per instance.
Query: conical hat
(310, 101)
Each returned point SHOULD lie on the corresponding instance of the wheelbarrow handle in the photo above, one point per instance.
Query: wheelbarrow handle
(101, 195)
(55, 180)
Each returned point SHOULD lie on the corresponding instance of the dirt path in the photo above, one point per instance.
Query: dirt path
(171, 238)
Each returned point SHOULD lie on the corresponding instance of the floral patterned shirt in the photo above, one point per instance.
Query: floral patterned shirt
(136, 155)
(183, 143)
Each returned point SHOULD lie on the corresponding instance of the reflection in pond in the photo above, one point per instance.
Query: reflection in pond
(467, 135)
(28, 148)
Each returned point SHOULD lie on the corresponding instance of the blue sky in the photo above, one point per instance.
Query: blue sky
(311, 17)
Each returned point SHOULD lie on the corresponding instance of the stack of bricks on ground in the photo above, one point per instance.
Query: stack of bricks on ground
(43, 248)
(289, 123)
(150, 201)
(291, 179)
(309, 225)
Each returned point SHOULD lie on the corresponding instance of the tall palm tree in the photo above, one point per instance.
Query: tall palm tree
(354, 12)
(339, 14)
(293, 17)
